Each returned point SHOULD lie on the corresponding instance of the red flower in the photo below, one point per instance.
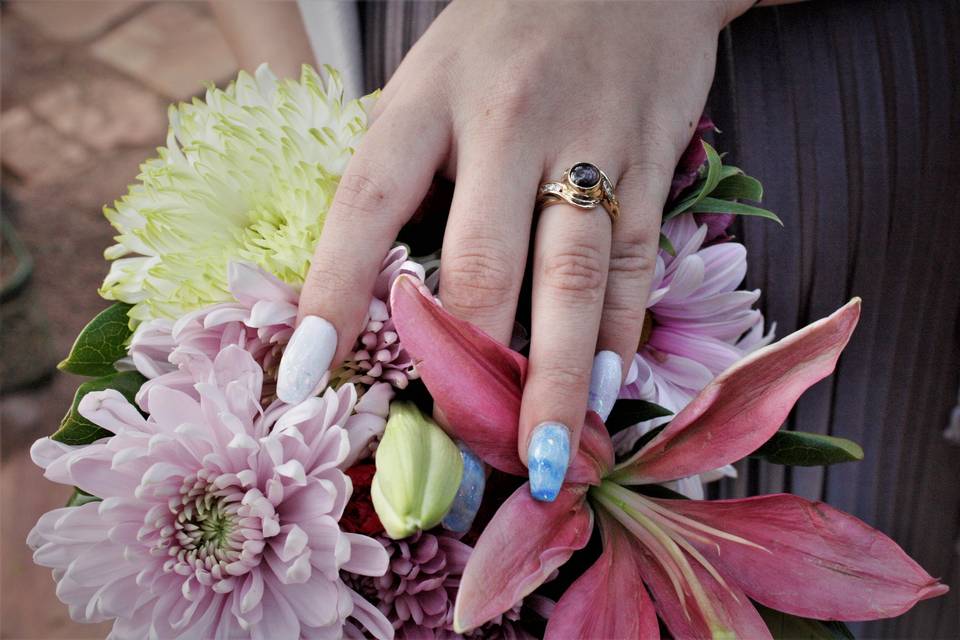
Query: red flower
(359, 515)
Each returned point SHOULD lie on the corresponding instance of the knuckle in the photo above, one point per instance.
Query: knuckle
(515, 100)
(326, 277)
(578, 274)
(477, 280)
(633, 257)
(622, 312)
(567, 377)
(505, 108)
(653, 168)
(363, 191)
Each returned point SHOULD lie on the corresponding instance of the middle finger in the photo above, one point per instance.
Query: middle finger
(571, 259)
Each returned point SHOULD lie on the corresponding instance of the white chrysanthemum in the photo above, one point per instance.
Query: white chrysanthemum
(246, 174)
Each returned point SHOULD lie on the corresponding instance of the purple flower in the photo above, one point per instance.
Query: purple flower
(698, 324)
(219, 518)
(418, 591)
(688, 167)
(378, 354)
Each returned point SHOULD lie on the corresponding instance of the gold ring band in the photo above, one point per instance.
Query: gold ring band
(584, 186)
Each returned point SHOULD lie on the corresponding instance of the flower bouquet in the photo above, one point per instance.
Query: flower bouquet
(206, 507)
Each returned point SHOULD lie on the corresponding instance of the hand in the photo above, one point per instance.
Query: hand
(501, 97)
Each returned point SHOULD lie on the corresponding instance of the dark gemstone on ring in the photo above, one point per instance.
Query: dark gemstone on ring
(584, 175)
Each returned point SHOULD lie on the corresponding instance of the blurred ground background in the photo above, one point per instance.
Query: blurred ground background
(84, 86)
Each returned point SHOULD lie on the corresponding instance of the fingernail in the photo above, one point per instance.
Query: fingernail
(307, 357)
(547, 458)
(469, 495)
(604, 383)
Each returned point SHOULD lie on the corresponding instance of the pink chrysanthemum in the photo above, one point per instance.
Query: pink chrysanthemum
(261, 321)
(698, 323)
(219, 518)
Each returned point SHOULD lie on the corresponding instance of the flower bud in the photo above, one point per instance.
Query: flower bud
(419, 469)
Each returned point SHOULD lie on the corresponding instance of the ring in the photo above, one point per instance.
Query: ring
(583, 185)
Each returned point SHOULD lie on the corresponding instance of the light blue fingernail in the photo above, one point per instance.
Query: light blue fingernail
(547, 458)
(604, 383)
(469, 495)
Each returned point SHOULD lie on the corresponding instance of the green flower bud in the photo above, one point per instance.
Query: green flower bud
(418, 472)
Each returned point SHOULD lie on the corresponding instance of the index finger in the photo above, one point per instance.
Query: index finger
(383, 185)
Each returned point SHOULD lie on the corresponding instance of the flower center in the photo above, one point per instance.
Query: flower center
(206, 530)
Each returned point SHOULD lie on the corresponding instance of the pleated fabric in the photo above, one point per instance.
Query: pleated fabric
(848, 114)
(389, 30)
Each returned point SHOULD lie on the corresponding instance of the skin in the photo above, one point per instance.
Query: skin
(500, 97)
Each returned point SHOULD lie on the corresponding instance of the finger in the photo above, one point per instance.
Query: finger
(382, 186)
(488, 232)
(571, 255)
(642, 191)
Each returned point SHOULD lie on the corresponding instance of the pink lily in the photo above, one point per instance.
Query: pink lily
(701, 561)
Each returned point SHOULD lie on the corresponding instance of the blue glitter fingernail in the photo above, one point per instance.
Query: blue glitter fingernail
(548, 456)
(470, 494)
(604, 383)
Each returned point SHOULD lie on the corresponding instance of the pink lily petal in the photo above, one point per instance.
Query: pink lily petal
(477, 383)
(609, 599)
(521, 546)
(595, 457)
(694, 599)
(743, 406)
(820, 562)
(733, 610)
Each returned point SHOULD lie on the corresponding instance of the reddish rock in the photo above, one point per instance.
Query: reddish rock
(104, 113)
(33, 150)
(173, 47)
(74, 20)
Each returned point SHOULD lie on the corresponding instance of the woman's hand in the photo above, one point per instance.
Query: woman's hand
(500, 97)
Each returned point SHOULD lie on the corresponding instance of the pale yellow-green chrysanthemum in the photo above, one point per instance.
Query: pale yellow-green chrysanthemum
(246, 174)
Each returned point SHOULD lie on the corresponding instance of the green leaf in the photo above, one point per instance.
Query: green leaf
(702, 187)
(74, 428)
(713, 205)
(784, 626)
(728, 170)
(714, 171)
(81, 497)
(801, 449)
(666, 245)
(627, 413)
(739, 187)
(101, 343)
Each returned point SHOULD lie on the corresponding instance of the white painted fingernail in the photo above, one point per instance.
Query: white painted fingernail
(604, 383)
(307, 357)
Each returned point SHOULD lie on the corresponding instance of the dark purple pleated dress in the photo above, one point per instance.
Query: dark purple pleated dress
(849, 113)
